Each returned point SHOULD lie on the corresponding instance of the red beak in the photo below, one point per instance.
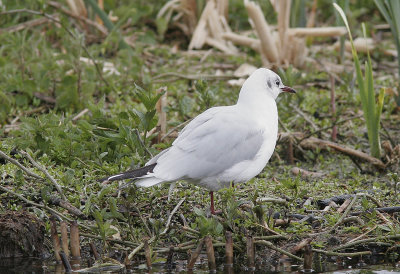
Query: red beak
(288, 89)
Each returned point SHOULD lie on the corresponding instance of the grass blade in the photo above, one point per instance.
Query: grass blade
(372, 110)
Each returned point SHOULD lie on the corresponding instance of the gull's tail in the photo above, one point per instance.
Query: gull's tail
(131, 174)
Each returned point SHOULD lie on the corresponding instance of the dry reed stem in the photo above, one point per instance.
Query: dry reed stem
(147, 252)
(94, 251)
(268, 46)
(311, 16)
(229, 249)
(250, 253)
(210, 253)
(318, 32)
(64, 237)
(308, 258)
(77, 7)
(223, 8)
(55, 239)
(85, 20)
(283, 26)
(74, 240)
(243, 40)
(220, 45)
(195, 254)
(200, 33)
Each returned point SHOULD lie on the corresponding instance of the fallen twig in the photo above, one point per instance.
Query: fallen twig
(313, 143)
(340, 199)
(171, 215)
(335, 123)
(121, 242)
(343, 206)
(136, 250)
(143, 220)
(272, 200)
(186, 228)
(35, 204)
(272, 246)
(271, 237)
(305, 173)
(388, 210)
(369, 240)
(87, 21)
(68, 206)
(344, 215)
(41, 168)
(195, 254)
(177, 75)
(364, 234)
(15, 162)
(80, 114)
(24, 25)
(353, 219)
(94, 251)
(301, 245)
(342, 254)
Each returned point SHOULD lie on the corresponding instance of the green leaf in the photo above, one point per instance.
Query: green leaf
(199, 212)
(162, 25)
(114, 211)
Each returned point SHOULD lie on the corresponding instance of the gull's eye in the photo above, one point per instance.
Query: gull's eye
(277, 82)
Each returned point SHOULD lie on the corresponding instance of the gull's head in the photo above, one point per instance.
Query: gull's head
(265, 81)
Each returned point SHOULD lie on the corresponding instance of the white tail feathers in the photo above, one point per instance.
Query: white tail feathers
(149, 181)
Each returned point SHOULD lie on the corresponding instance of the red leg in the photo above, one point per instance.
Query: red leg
(212, 203)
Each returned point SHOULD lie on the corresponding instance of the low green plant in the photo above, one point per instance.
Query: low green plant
(372, 109)
(206, 226)
(391, 12)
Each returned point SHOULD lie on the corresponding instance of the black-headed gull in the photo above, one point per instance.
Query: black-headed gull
(223, 145)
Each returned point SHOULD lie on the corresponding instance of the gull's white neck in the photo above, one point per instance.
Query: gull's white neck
(256, 98)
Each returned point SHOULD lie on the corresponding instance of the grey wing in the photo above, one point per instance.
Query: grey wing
(212, 143)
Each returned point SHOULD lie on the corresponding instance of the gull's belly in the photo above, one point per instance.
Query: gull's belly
(244, 170)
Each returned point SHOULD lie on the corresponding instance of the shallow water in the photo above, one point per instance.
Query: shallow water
(36, 266)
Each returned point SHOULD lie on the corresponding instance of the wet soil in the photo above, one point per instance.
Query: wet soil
(21, 235)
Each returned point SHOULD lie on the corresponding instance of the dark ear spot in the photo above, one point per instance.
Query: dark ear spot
(269, 84)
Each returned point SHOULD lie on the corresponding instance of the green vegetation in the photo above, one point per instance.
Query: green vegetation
(82, 104)
(372, 109)
(391, 12)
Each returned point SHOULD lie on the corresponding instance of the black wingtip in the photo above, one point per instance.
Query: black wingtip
(130, 174)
